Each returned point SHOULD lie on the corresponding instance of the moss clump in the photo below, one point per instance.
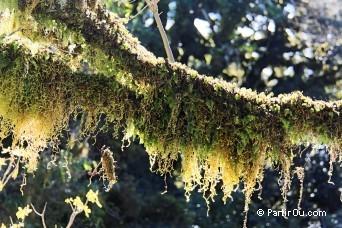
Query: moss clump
(68, 60)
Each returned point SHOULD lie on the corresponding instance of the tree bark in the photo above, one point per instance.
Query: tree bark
(57, 59)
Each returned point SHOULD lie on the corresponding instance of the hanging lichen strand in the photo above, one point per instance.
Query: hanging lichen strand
(56, 61)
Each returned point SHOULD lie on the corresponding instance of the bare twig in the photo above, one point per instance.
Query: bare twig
(12, 159)
(75, 212)
(23, 183)
(93, 173)
(138, 13)
(153, 4)
(9, 172)
(72, 218)
(40, 214)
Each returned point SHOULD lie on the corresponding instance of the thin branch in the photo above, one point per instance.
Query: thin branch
(9, 173)
(138, 13)
(40, 214)
(75, 212)
(12, 159)
(23, 183)
(72, 218)
(153, 4)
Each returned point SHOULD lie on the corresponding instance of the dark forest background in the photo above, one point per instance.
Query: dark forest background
(277, 46)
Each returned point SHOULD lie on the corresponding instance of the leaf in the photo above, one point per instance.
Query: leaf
(23, 212)
(93, 197)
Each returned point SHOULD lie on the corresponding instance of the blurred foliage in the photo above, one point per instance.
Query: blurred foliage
(279, 46)
(274, 45)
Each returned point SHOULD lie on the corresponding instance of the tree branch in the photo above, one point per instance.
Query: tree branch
(153, 4)
(40, 214)
(90, 62)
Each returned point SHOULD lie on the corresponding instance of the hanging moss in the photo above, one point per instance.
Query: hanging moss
(56, 60)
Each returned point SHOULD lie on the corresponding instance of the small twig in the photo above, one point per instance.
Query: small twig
(12, 33)
(93, 173)
(138, 13)
(12, 159)
(67, 167)
(23, 183)
(11, 220)
(72, 218)
(75, 212)
(9, 173)
(40, 214)
(153, 4)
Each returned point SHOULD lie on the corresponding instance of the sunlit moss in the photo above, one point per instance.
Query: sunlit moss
(57, 67)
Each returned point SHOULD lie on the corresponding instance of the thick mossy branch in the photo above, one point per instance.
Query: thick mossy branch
(56, 60)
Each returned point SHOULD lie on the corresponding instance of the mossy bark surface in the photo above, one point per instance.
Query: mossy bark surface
(57, 59)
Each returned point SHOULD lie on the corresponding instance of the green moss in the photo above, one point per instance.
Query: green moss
(221, 131)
